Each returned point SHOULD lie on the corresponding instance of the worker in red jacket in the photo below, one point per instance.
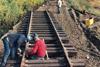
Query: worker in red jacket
(38, 51)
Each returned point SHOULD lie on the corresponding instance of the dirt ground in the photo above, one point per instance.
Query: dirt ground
(76, 35)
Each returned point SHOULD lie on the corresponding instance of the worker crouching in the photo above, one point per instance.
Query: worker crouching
(12, 42)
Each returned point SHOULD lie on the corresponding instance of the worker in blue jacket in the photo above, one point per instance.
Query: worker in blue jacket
(12, 42)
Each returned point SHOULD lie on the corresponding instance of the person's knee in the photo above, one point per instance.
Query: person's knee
(8, 51)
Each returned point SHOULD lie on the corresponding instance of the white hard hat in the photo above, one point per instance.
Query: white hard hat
(29, 37)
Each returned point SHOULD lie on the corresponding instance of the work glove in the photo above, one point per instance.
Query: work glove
(19, 51)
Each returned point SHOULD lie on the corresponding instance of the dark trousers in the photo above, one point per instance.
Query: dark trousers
(59, 10)
(7, 50)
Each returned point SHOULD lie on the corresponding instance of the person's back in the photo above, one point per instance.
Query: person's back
(12, 37)
(16, 37)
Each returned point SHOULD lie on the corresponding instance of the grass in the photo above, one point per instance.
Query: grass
(84, 5)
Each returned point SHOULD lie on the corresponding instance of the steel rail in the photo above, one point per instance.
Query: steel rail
(64, 49)
(23, 59)
(69, 61)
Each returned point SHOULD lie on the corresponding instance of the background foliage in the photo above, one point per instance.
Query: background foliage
(12, 10)
(88, 5)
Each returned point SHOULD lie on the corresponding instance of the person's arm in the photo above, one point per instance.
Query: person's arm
(19, 51)
(4, 36)
(35, 48)
(21, 41)
(47, 55)
(46, 50)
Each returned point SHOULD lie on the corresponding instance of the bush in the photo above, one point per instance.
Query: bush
(12, 10)
(83, 5)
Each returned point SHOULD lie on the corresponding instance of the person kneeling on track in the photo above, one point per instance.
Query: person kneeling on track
(38, 50)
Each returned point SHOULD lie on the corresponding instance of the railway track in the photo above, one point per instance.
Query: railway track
(60, 52)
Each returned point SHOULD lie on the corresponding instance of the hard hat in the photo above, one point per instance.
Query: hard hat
(29, 37)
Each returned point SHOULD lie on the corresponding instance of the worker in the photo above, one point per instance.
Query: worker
(89, 22)
(38, 51)
(12, 42)
(59, 6)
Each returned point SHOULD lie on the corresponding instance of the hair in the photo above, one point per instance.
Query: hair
(35, 35)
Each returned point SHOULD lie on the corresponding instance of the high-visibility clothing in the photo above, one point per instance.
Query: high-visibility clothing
(89, 22)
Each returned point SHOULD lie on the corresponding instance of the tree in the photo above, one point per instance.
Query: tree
(12, 10)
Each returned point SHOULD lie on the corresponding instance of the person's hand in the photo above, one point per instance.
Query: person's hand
(19, 50)
(48, 58)
(29, 45)
(19, 54)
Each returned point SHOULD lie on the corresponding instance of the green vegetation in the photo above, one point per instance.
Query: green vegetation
(83, 5)
(12, 10)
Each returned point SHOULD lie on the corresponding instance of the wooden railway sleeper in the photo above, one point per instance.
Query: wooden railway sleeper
(77, 63)
(70, 51)
(66, 54)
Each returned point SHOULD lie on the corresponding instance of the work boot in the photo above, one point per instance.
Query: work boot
(3, 65)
